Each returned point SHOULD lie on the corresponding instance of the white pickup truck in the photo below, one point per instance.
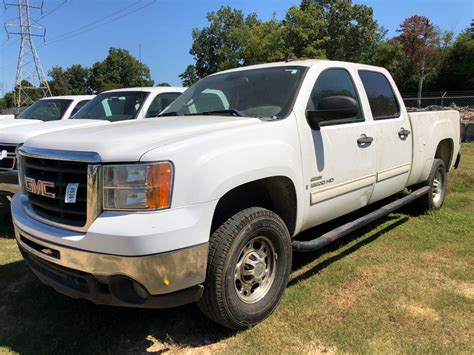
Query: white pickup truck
(204, 203)
(48, 109)
(109, 106)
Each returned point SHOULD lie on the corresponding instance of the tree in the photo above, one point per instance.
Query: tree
(189, 76)
(391, 56)
(420, 40)
(457, 67)
(219, 46)
(59, 84)
(163, 84)
(120, 69)
(304, 31)
(264, 42)
(349, 30)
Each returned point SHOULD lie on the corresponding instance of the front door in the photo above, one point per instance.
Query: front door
(338, 159)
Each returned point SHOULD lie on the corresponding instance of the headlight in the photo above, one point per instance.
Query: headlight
(138, 186)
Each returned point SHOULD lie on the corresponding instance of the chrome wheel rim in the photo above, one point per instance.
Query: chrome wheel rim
(255, 269)
(437, 190)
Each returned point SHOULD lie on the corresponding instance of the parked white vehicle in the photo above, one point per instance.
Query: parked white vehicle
(48, 109)
(6, 117)
(109, 106)
(205, 203)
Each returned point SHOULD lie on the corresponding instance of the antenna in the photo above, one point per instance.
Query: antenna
(30, 77)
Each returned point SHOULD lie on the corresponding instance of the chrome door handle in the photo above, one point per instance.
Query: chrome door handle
(364, 140)
(403, 133)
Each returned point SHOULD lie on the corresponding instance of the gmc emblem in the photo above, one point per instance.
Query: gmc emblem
(39, 187)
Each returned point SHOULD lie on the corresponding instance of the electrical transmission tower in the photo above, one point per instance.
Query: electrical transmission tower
(30, 82)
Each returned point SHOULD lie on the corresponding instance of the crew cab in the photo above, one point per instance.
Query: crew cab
(48, 109)
(109, 106)
(206, 203)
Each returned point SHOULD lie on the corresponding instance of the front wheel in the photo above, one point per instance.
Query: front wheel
(248, 268)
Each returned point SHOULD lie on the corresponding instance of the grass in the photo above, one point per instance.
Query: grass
(402, 285)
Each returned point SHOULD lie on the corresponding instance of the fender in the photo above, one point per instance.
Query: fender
(206, 167)
(428, 132)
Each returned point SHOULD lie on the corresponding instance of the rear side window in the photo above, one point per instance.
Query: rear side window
(334, 82)
(382, 100)
(160, 102)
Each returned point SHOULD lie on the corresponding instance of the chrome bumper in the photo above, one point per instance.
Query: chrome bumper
(159, 274)
(9, 182)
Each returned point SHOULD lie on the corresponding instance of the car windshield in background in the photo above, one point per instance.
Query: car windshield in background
(46, 110)
(264, 93)
(113, 106)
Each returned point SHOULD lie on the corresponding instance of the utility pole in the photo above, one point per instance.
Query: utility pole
(30, 82)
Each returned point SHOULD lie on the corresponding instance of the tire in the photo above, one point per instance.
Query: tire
(437, 181)
(248, 268)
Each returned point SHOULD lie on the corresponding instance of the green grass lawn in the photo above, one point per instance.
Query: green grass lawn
(403, 284)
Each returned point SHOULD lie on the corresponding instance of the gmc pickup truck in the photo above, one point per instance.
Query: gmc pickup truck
(204, 204)
(109, 106)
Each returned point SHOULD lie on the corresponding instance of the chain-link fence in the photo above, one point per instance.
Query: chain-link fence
(441, 98)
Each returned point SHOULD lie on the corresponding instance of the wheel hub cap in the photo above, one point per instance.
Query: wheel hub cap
(254, 271)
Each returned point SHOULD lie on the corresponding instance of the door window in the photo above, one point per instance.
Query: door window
(79, 105)
(334, 82)
(382, 100)
(160, 102)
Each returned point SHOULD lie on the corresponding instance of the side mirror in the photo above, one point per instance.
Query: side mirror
(332, 108)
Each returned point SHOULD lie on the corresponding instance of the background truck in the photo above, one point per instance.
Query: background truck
(205, 204)
(109, 106)
(48, 109)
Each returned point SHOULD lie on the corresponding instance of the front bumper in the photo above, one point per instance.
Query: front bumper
(152, 281)
(8, 182)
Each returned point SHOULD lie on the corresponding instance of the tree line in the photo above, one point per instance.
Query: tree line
(421, 57)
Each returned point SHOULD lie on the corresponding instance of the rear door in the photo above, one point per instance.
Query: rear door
(393, 152)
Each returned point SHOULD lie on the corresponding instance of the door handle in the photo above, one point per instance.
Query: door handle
(364, 140)
(403, 133)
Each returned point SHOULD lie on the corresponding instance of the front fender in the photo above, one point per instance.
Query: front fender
(210, 165)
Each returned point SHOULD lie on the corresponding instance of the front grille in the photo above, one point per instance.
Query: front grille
(9, 162)
(60, 173)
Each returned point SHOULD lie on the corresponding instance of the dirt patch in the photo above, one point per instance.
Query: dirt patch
(317, 348)
(359, 285)
(169, 347)
(465, 289)
(420, 311)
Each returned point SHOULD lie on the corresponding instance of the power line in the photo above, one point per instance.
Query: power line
(86, 28)
(103, 24)
(51, 11)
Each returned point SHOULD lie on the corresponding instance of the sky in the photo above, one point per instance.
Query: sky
(82, 31)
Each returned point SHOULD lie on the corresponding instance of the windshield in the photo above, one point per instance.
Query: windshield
(113, 106)
(46, 110)
(267, 92)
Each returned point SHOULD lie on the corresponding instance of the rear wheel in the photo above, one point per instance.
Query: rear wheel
(437, 181)
(248, 268)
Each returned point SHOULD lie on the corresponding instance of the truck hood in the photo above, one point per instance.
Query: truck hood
(129, 140)
(16, 122)
(19, 134)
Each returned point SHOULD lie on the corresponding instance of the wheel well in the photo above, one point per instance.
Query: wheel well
(276, 194)
(445, 152)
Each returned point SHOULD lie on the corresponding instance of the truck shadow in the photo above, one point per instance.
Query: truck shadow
(6, 226)
(35, 318)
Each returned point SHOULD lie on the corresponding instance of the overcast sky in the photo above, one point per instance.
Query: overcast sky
(78, 32)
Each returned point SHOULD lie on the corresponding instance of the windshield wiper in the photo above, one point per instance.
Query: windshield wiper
(231, 111)
(172, 113)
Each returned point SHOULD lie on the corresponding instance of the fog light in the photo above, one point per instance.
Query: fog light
(140, 290)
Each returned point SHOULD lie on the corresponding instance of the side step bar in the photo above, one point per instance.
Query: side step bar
(335, 234)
